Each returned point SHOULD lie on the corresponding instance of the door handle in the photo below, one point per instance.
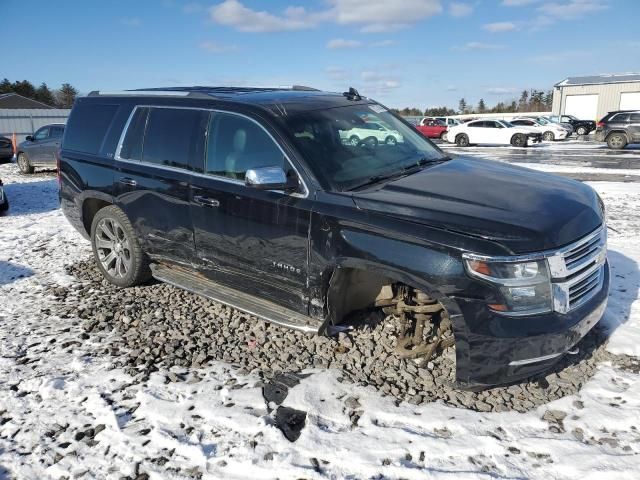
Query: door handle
(128, 181)
(206, 201)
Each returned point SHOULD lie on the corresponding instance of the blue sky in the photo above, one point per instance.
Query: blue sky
(401, 52)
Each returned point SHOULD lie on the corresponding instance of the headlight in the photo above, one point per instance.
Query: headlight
(524, 286)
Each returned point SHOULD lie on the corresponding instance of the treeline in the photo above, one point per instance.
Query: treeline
(62, 97)
(530, 101)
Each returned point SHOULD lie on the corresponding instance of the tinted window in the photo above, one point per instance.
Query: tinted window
(476, 124)
(490, 124)
(56, 131)
(635, 117)
(237, 144)
(87, 126)
(132, 143)
(174, 136)
(41, 134)
(620, 118)
(518, 122)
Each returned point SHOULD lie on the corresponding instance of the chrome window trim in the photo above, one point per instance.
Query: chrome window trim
(304, 194)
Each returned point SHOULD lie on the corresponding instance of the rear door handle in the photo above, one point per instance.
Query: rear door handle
(128, 181)
(206, 201)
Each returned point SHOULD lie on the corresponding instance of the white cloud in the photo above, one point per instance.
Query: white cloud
(337, 73)
(338, 43)
(451, 88)
(517, 3)
(376, 83)
(477, 46)
(564, 56)
(131, 22)
(232, 13)
(370, 15)
(502, 90)
(457, 9)
(214, 47)
(498, 27)
(571, 9)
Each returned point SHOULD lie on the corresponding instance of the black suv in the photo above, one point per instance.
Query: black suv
(619, 128)
(254, 198)
(581, 127)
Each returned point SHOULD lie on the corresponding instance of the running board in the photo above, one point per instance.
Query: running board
(197, 283)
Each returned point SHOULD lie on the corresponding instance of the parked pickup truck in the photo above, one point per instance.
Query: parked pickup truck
(251, 198)
(433, 129)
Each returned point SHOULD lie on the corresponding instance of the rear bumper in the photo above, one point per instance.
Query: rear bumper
(600, 136)
(502, 349)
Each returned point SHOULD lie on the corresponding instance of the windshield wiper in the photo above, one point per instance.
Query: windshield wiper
(424, 161)
(408, 170)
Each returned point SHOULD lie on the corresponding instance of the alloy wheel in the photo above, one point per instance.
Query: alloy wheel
(112, 245)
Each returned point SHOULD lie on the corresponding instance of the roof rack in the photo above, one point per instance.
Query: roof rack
(199, 91)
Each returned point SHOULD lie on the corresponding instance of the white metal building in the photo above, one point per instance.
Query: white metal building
(592, 97)
(25, 121)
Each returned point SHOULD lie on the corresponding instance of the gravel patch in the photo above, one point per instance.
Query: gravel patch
(159, 326)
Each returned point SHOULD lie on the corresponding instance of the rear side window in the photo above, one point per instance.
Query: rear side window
(620, 118)
(635, 117)
(56, 131)
(132, 143)
(87, 126)
(174, 137)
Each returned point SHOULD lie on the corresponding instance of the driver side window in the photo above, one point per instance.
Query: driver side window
(42, 134)
(236, 144)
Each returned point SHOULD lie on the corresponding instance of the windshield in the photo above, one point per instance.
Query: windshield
(507, 124)
(348, 147)
(543, 121)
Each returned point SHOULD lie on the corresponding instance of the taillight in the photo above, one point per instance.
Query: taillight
(58, 155)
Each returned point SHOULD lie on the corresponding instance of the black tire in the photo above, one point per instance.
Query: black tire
(582, 131)
(519, 140)
(23, 164)
(462, 140)
(129, 265)
(354, 140)
(390, 140)
(616, 141)
(548, 136)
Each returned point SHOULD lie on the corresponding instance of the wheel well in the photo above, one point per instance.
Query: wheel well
(353, 289)
(618, 131)
(90, 207)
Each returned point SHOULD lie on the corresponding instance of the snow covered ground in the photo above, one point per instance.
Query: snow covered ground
(67, 410)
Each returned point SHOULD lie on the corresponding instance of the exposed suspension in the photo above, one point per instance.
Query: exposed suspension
(425, 324)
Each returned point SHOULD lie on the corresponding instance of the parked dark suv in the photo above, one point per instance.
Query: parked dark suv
(581, 127)
(39, 149)
(619, 128)
(252, 198)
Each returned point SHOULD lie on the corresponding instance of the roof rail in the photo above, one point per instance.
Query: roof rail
(200, 90)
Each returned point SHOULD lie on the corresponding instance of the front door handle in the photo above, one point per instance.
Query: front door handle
(206, 201)
(128, 181)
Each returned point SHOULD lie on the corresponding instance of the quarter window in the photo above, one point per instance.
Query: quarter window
(174, 137)
(87, 126)
(237, 144)
(620, 118)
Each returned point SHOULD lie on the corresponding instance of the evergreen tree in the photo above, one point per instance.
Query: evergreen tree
(481, 106)
(44, 95)
(548, 100)
(24, 88)
(6, 86)
(66, 96)
(462, 105)
(523, 103)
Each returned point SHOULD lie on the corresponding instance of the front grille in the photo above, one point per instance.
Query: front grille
(577, 271)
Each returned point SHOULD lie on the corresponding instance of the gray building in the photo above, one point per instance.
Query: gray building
(25, 121)
(592, 97)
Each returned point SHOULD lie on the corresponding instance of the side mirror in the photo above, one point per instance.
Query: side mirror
(29, 138)
(266, 178)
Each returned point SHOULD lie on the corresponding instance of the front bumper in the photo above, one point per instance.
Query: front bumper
(499, 349)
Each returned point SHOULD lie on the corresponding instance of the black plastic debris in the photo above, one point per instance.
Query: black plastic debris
(278, 388)
(290, 422)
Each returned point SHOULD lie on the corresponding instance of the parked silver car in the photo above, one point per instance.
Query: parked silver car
(39, 149)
